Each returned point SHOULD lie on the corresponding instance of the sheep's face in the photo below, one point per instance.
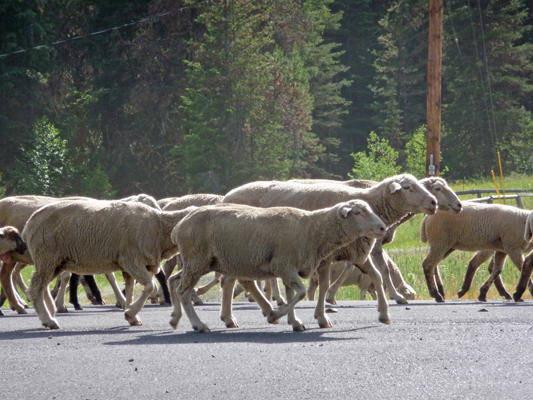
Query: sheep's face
(416, 199)
(358, 212)
(10, 241)
(446, 197)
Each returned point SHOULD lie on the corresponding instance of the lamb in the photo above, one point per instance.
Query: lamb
(249, 243)
(479, 227)
(399, 289)
(391, 200)
(95, 237)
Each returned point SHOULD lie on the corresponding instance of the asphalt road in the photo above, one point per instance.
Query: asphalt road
(456, 350)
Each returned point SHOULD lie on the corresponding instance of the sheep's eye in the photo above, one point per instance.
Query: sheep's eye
(437, 189)
(407, 188)
(356, 212)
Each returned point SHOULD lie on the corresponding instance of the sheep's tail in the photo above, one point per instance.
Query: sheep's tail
(528, 234)
(423, 236)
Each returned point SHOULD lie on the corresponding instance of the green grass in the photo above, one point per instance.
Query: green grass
(408, 252)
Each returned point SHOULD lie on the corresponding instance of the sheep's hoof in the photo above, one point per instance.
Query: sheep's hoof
(202, 329)
(325, 324)
(401, 301)
(271, 319)
(440, 300)
(51, 325)
(62, 310)
(164, 304)
(281, 302)
(198, 302)
(385, 321)
(77, 307)
(508, 296)
(232, 324)
(331, 301)
(1, 313)
(299, 327)
(174, 322)
(134, 321)
(461, 293)
(517, 298)
(483, 299)
(21, 311)
(331, 310)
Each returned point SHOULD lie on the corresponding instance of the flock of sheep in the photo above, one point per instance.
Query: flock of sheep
(261, 231)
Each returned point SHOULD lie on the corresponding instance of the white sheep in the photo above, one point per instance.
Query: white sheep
(399, 289)
(250, 243)
(391, 200)
(479, 227)
(98, 237)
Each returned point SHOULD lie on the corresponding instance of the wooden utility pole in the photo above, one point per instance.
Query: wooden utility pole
(434, 87)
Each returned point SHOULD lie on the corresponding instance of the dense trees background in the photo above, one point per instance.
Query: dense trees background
(170, 97)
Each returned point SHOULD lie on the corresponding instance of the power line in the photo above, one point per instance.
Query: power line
(150, 18)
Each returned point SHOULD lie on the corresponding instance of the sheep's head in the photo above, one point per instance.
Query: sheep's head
(416, 198)
(446, 197)
(360, 213)
(10, 241)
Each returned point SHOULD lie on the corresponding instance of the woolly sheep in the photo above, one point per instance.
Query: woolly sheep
(95, 237)
(250, 243)
(479, 227)
(399, 289)
(391, 200)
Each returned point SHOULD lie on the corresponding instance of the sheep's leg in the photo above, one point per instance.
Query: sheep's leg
(398, 281)
(7, 284)
(377, 254)
(335, 286)
(121, 300)
(38, 286)
(56, 288)
(73, 291)
(430, 263)
(276, 293)
(92, 288)
(383, 306)
(499, 260)
(479, 258)
(267, 289)
(173, 284)
(297, 324)
(292, 283)
(17, 278)
(148, 281)
(262, 301)
(204, 289)
(188, 281)
(153, 297)
(169, 266)
(324, 273)
(498, 282)
(237, 290)
(60, 297)
(311, 287)
(162, 279)
(227, 283)
(525, 275)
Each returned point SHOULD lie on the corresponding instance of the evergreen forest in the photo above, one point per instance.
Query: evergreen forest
(107, 98)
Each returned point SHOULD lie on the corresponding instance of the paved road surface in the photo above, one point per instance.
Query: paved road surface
(456, 350)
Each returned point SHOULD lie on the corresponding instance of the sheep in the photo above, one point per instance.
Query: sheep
(479, 227)
(527, 266)
(94, 237)
(357, 277)
(250, 243)
(391, 200)
(399, 289)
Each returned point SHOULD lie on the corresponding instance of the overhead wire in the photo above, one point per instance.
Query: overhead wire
(146, 19)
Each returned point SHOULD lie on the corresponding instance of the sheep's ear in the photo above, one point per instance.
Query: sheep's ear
(345, 210)
(394, 186)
